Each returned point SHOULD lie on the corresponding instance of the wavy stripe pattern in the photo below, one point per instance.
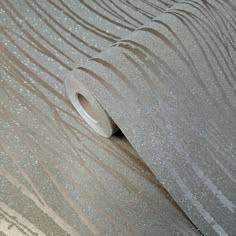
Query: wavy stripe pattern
(176, 78)
(56, 176)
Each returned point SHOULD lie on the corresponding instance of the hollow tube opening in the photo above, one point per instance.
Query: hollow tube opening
(88, 108)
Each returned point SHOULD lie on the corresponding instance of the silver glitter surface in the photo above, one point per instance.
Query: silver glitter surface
(56, 176)
(170, 87)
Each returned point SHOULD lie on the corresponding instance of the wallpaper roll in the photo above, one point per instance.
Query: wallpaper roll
(170, 87)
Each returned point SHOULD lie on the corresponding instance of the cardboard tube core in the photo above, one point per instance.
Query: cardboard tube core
(90, 109)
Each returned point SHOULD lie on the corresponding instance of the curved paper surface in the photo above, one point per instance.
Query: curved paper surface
(170, 87)
(56, 176)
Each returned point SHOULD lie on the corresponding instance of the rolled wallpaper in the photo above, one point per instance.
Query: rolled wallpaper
(57, 177)
(170, 87)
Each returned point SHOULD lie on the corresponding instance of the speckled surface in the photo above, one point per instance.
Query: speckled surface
(56, 176)
(170, 87)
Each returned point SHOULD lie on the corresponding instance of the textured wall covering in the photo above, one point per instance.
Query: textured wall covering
(56, 176)
(170, 87)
